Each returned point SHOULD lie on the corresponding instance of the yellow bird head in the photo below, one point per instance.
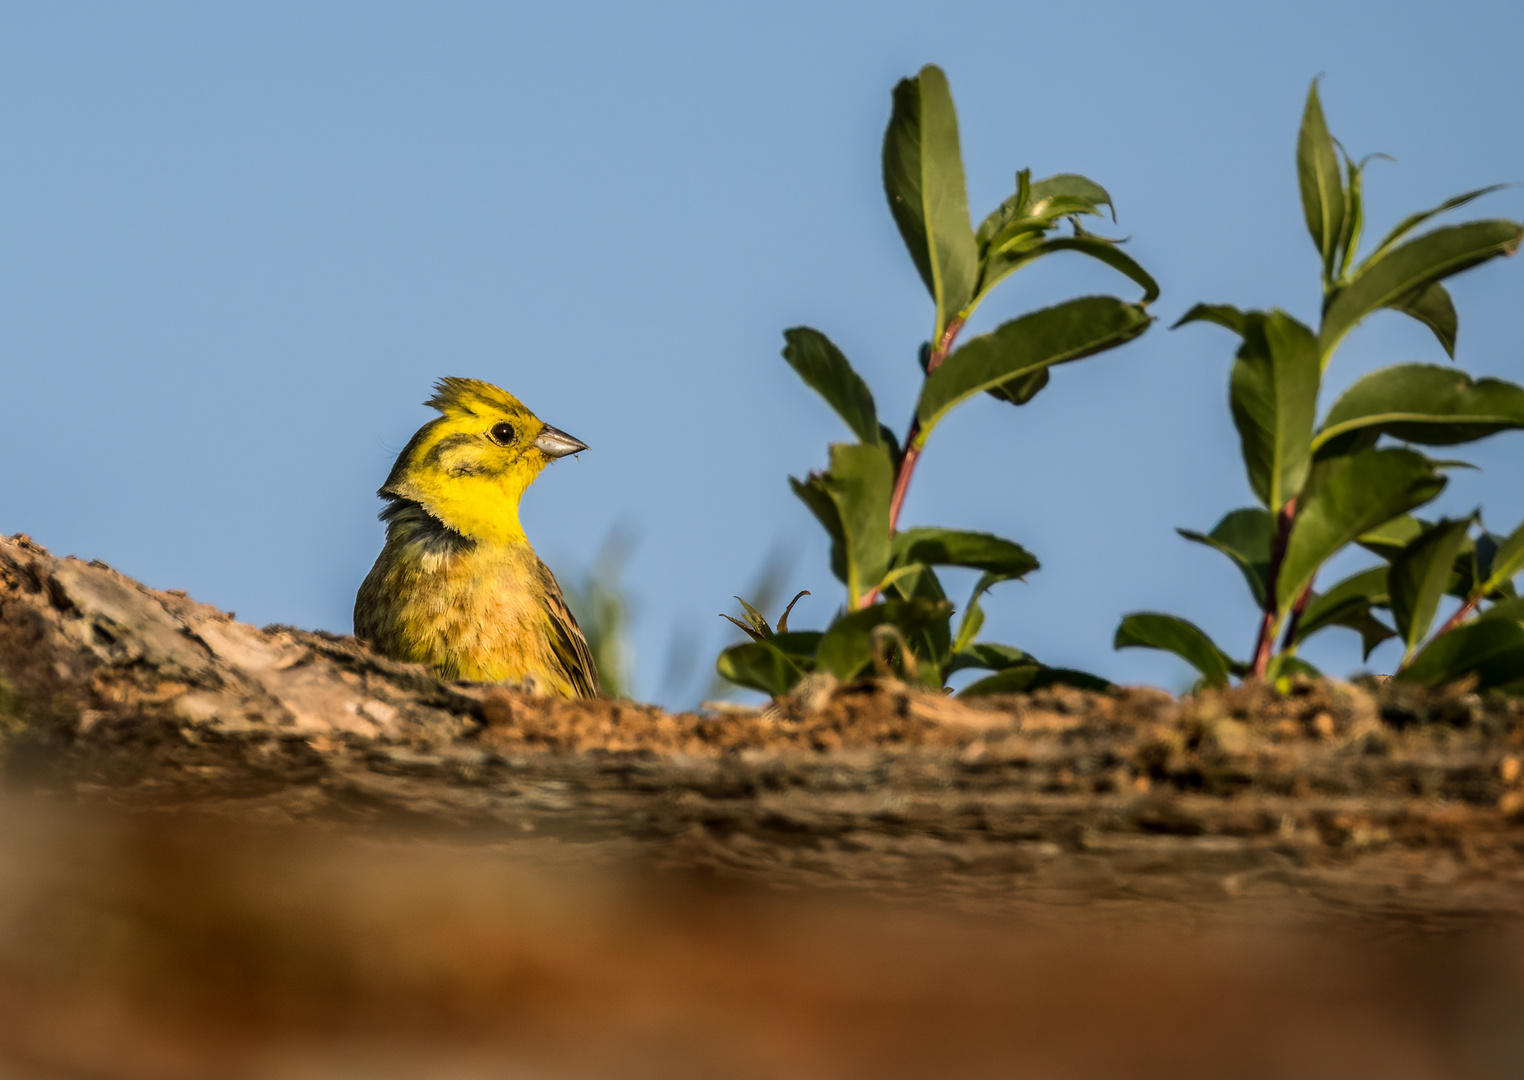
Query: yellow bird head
(470, 467)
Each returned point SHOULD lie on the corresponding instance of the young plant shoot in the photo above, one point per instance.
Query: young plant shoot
(1355, 478)
(896, 618)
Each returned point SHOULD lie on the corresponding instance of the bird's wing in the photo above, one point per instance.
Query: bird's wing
(566, 640)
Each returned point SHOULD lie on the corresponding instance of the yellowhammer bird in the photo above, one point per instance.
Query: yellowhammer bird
(457, 585)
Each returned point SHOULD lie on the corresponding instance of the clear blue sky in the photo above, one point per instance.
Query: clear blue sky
(238, 242)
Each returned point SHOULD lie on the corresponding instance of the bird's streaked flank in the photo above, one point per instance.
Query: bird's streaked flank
(457, 585)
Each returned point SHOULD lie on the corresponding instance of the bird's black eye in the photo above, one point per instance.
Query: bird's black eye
(502, 432)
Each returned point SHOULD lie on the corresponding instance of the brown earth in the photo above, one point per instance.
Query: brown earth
(269, 852)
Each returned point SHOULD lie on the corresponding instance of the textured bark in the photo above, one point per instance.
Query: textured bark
(1336, 802)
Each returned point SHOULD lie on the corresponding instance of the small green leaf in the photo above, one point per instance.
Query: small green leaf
(1412, 221)
(1151, 630)
(1399, 272)
(756, 619)
(1055, 335)
(783, 619)
(923, 179)
(1490, 650)
(898, 574)
(859, 483)
(1354, 215)
(1025, 679)
(1345, 498)
(826, 371)
(1422, 403)
(991, 656)
(1012, 680)
(1032, 246)
(846, 649)
(1088, 194)
(1107, 252)
(1317, 170)
(1222, 314)
(1506, 564)
(760, 665)
(1431, 305)
(1390, 537)
(1021, 389)
(1071, 185)
(1349, 604)
(812, 492)
(1003, 214)
(1274, 396)
(1509, 610)
(957, 547)
(1245, 536)
(1419, 577)
(968, 627)
(1284, 667)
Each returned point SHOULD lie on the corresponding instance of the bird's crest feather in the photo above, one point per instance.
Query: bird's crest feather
(455, 396)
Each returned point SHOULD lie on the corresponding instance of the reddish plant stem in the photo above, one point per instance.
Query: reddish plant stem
(1266, 640)
(912, 452)
(1450, 624)
(1296, 618)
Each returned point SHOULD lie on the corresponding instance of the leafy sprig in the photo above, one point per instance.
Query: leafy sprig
(896, 617)
(1323, 487)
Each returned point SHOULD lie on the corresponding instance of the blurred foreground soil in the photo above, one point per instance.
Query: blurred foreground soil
(235, 852)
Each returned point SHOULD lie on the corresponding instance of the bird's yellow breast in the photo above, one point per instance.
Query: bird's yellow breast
(471, 610)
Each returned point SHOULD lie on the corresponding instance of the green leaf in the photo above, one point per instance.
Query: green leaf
(846, 649)
(1107, 252)
(1506, 564)
(812, 492)
(1025, 679)
(1222, 314)
(1002, 263)
(933, 641)
(1284, 666)
(1071, 185)
(1151, 630)
(1245, 536)
(991, 656)
(760, 665)
(1007, 211)
(1419, 577)
(1076, 190)
(1400, 271)
(1349, 604)
(956, 547)
(1017, 679)
(1422, 403)
(1346, 497)
(826, 371)
(1317, 170)
(1509, 610)
(1274, 396)
(1390, 537)
(968, 627)
(1354, 215)
(1412, 221)
(859, 484)
(1491, 650)
(1431, 305)
(1021, 389)
(923, 179)
(1055, 335)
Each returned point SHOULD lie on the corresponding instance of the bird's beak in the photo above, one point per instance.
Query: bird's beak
(554, 442)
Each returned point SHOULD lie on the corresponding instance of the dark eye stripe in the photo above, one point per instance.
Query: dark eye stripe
(502, 432)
